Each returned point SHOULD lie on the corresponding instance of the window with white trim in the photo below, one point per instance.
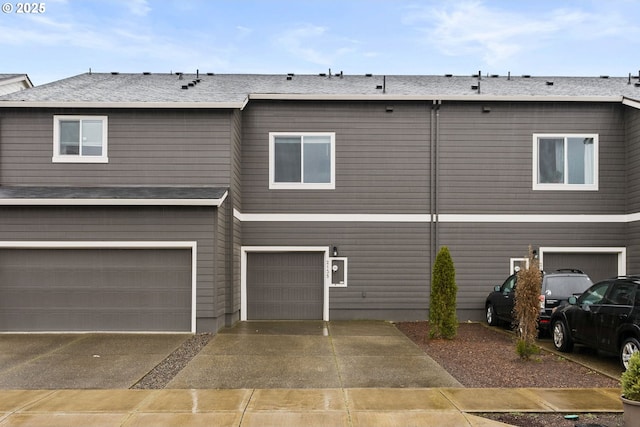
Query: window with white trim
(80, 139)
(302, 160)
(565, 162)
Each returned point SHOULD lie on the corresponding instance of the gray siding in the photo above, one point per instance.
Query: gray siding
(126, 224)
(389, 271)
(382, 158)
(481, 252)
(485, 159)
(632, 121)
(145, 147)
(632, 130)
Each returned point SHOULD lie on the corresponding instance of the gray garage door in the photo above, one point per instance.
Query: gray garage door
(95, 290)
(597, 266)
(285, 286)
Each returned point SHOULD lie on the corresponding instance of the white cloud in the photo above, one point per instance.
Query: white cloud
(138, 7)
(315, 44)
(496, 35)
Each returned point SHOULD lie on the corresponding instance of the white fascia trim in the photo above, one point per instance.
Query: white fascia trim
(191, 245)
(97, 104)
(114, 202)
(392, 97)
(631, 103)
(244, 250)
(298, 217)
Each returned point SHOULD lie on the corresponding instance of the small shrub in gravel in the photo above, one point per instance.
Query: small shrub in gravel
(442, 308)
(527, 307)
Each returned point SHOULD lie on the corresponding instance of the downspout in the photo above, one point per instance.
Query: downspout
(435, 135)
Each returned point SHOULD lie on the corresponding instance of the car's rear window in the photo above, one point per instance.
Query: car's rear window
(566, 285)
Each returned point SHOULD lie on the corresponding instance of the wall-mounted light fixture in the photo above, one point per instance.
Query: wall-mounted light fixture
(334, 251)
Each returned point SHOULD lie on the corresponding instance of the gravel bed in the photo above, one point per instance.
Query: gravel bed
(166, 370)
(481, 357)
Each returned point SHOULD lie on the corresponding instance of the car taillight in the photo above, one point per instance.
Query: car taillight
(543, 300)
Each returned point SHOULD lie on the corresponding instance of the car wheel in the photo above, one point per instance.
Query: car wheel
(492, 320)
(629, 346)
(561, 339)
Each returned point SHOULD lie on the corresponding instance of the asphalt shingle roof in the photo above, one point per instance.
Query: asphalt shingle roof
(236, 88)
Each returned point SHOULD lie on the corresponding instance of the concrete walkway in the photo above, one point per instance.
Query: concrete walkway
(258, 374)
(355, 407)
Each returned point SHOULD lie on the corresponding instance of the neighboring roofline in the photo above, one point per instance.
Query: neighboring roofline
(391, 97)
(308, 97)
(18, 79)
(631, 103)
(93, 104)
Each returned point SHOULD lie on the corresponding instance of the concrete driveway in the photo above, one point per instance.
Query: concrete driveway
(81, 361)
(312, 354)
(259, 355)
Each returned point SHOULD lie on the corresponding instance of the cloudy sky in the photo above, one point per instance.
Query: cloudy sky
(541, 37)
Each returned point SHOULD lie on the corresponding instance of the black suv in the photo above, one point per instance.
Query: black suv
(606, 317)
(556, 288)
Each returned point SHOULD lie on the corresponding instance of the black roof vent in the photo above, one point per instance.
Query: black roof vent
(322, 74)
(210, 74)
(448, 75)
(604, 77)
(191, 84)
(495, 76)
(474, 87)
(526, 76)
(368, 75)
(114, 73)
(185, 86)
(146, 73)
(549, 83)
(636, 84)
(289, 77)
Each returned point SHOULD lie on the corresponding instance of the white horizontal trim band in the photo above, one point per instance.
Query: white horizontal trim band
(297, 217)
(113, 202)
(427, 218)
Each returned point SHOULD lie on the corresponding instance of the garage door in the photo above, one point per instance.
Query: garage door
(95, 290)
(285, 286)
(598, 266)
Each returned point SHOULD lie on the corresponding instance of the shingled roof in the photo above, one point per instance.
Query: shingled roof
(233, 90)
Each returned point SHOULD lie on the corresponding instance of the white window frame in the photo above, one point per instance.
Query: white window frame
(565, 186)
(78, 158)
(273, 185)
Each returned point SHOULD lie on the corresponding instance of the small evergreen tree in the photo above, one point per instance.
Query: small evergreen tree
(443, 322)
(631, 378)
(527, 307)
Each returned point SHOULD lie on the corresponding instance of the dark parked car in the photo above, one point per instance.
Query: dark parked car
(556, 288)
(606, 317)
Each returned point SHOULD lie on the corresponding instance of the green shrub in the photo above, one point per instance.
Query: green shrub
(631, 378)
(525, 349)
(527, 306)
(443, 322)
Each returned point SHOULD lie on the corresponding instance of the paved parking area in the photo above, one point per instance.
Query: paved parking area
(85, 361)
(311, 354)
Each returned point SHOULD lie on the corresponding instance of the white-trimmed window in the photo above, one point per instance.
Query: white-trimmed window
(80, 139)
(565, 162)
(302, 160)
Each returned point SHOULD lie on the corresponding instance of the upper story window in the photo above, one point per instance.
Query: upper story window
(565, 162)
(302, 160)
(80, 139)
